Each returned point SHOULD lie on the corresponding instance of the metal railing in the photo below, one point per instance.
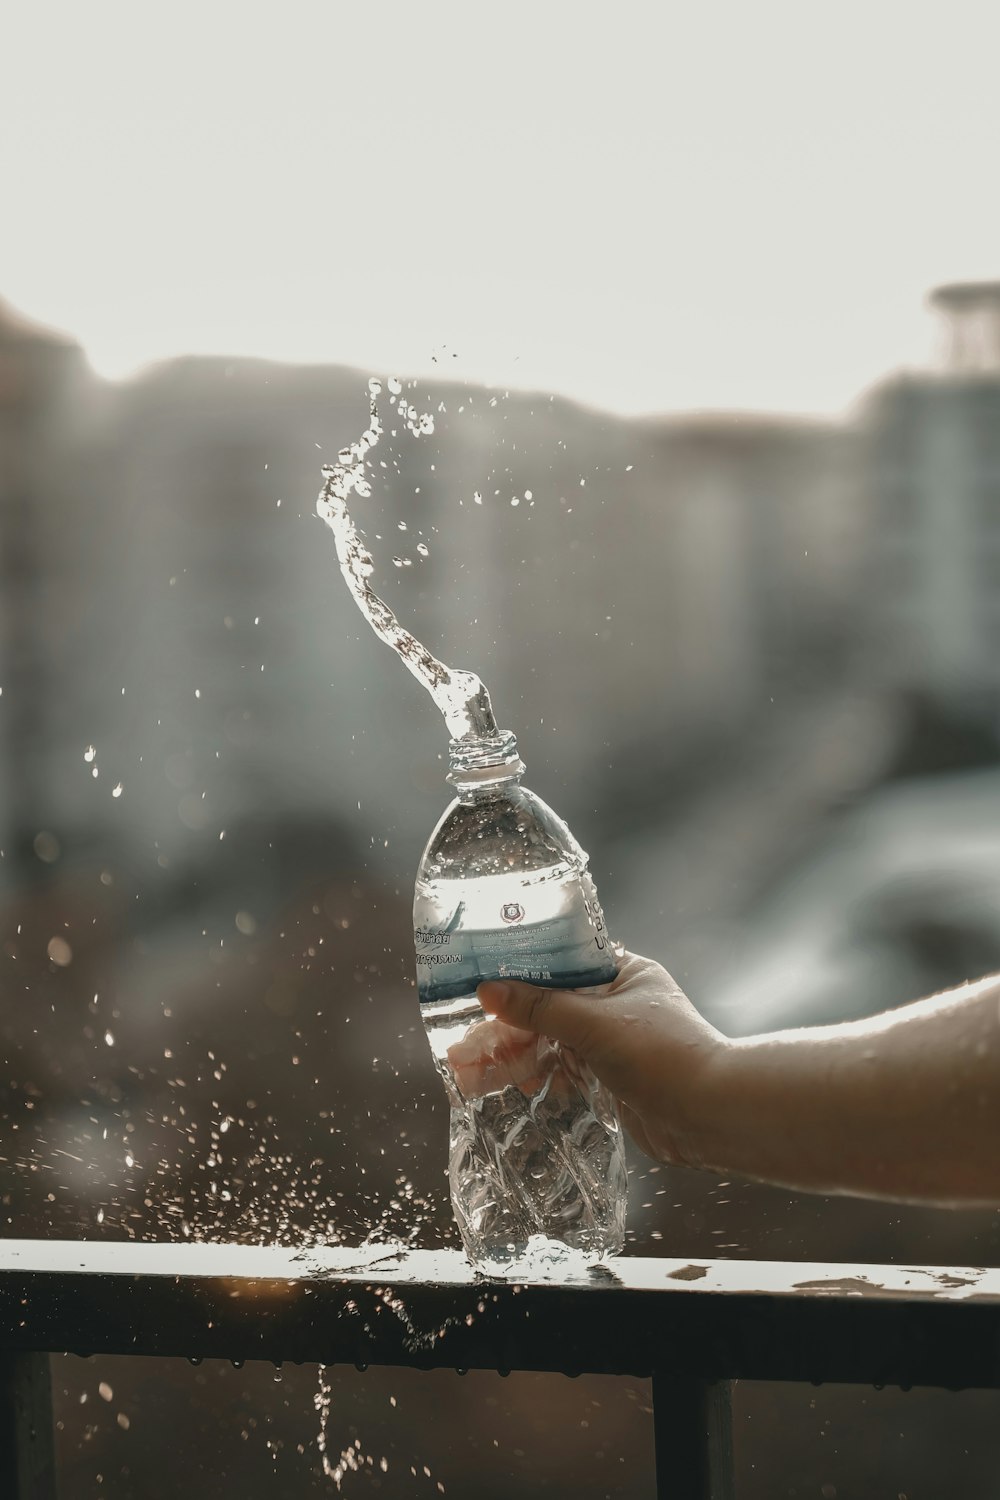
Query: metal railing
(692, 1328)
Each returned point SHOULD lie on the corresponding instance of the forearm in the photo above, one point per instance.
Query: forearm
(905, 1105)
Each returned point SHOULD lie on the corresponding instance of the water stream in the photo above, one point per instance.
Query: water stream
(459, 694)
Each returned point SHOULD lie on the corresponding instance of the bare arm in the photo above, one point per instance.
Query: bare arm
(904, 1105)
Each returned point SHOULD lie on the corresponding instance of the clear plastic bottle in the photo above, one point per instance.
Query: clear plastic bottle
(537, 1163)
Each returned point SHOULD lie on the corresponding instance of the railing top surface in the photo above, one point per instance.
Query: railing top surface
(380, 1304)
(401, 1266)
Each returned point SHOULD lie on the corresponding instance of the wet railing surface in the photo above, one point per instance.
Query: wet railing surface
(693, 1327)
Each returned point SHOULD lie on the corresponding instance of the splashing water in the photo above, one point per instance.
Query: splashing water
(352, 1460)
(460, 695)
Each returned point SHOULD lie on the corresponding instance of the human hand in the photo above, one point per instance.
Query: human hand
(644, 1040)
(492, 1056)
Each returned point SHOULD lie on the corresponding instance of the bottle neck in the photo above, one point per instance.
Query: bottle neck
(483, 762)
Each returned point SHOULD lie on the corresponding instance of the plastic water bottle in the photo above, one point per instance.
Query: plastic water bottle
(537, 1163)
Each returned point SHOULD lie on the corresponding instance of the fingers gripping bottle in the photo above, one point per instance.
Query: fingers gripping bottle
(537, 1163)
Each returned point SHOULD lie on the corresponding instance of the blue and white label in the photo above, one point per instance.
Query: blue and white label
(568, 950)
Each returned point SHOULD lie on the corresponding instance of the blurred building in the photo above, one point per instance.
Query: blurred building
(895, 897)
(643, 598)
(759, 520)
(633, 593)
(48, 399)
(933, 474)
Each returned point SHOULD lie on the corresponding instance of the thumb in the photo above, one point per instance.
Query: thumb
(564, 1015)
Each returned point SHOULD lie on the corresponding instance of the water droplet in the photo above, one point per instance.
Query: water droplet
(109, 1038)
(477, 497)
(116, 790)
(515, 499)
(105, 1391)
(46, 846)
(400, 525)
(423, 549)
(59, 951)
(395, 385)
(89, 753)
(375, 386)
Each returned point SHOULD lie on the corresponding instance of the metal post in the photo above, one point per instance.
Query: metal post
(692, 1430)
(27, 1452)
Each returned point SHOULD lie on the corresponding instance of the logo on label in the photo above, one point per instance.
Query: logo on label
(511, 911)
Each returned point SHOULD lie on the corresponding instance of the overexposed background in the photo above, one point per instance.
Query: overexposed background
(651, 208)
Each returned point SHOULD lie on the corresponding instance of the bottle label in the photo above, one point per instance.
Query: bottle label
(568, 951)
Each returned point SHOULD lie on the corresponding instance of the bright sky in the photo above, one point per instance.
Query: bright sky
(650, 205)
